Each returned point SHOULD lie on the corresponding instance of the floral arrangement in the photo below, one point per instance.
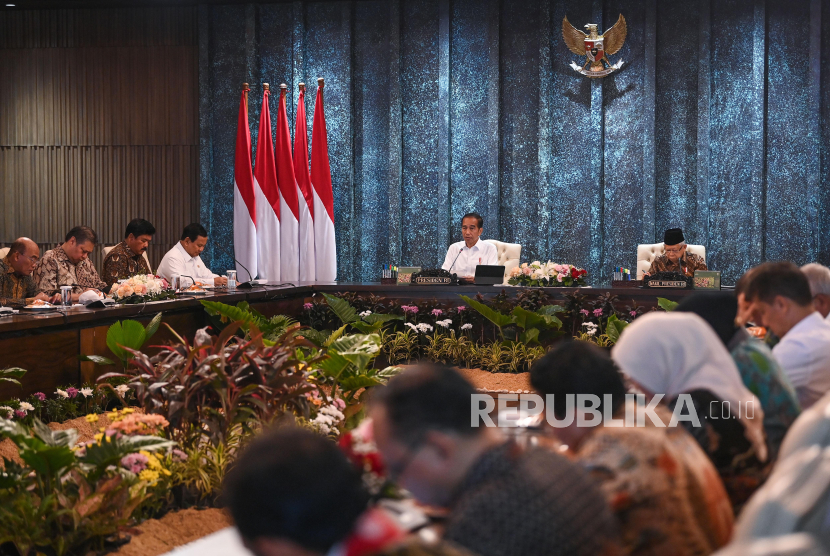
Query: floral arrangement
(141, 288)
(547, 274)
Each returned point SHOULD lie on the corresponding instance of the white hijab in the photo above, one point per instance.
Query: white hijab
(672, 353)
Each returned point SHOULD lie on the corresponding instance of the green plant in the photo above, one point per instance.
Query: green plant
(529, 325)
(12, 374)
(62, 500)
(349, 366)
(270, 328)
(667, 304)
(368, 324)
(614, 327)
(123, 338)
(401, 347)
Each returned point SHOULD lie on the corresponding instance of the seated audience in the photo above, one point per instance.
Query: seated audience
(127, 258)
(503, 499)
(664, 490)
(294, 493)
(678, 353)
(16, 284)
(759, 369)
(184, 258)
(69, 265)
(818, 276)
(780, 296)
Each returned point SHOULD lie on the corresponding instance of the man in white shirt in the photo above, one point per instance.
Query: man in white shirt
(184, 260)
(780, 295)
(819, 278)
(463, 257)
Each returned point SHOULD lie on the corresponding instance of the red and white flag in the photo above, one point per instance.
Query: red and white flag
(289, 202)
(267, 198)
(324, 246)
(244, 203)
(307, 258)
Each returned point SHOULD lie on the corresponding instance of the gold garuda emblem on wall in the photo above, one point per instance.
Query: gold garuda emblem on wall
(596, 48)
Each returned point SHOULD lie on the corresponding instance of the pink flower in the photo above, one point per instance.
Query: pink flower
(437, 312)
(410, 309)
(178, 455)
(597, 312)
(40, 396)
(339, 404)
(527, 271)
(633, 313)
(136, 463)
(72, 391)
(19, 414)
(308, 306)
(461, 308)
(584, 312)
(140, 289)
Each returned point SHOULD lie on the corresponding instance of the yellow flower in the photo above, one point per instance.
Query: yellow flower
(149, 476)
(166, 472)
(127, 410)
(98, 436)
(91, 418)
(109, 438)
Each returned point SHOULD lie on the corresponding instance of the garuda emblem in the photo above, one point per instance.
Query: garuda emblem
(594, 47)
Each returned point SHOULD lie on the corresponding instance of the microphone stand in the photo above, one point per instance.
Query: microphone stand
(456, 258)
(251, 282)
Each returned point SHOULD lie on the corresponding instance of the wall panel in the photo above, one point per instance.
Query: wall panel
(99, 123)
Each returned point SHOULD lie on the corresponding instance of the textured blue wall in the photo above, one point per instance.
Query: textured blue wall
(719, 123)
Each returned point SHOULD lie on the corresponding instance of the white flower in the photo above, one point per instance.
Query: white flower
(412, 326)
(7, 410)
(592, 331)
(365, 314)
(424, 327)
(467, 326)
(444, 323)
(26, 406)
(122, 389)
(85, 392)
(61, 393)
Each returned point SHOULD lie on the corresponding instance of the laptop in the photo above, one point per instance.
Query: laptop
(489, 275)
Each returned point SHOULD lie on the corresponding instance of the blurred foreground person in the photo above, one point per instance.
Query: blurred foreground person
(293, 492)
(664, 490)
(503, 499)
(679, 356)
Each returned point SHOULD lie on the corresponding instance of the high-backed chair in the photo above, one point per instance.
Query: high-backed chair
(647, 252)
(106, 251)
(3, 252)
(509, 255)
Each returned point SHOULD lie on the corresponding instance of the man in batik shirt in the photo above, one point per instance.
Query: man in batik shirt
(127, 258)
(676, 259)
(16, 284)
(69, 265)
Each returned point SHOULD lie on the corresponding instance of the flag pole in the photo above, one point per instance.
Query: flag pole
(321, 83)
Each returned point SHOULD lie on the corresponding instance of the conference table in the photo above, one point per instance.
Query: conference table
(49, 345)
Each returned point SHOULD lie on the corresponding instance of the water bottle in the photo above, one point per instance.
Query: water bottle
(66, 296)
(231, 280)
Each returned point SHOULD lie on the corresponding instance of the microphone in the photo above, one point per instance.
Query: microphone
(244, 285)
(456, 258)
(186, 276)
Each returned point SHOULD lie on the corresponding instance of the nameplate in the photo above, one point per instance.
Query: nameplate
(666, 284)
(432, 281)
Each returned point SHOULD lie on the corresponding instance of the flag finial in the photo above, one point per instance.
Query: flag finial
(302, 86)
(266, 86)
(321, 82)
(246, 87)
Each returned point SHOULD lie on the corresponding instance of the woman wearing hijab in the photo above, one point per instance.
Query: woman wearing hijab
(758, 368)
(676, 354)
